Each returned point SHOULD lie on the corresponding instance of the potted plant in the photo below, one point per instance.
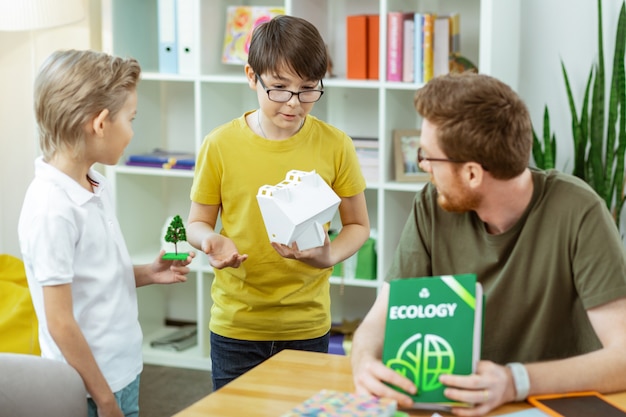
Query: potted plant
(599, 131)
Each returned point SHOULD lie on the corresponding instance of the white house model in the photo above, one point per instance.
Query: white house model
(296, 209)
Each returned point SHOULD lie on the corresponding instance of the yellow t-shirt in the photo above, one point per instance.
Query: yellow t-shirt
(269, 297)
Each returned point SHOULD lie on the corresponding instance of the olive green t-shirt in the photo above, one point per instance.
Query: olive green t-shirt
(563, 256)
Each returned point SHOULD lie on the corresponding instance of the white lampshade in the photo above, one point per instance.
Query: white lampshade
(18, 15)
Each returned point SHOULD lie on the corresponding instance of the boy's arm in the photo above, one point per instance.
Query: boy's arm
(162, 271)
(70, 340)
(601, 370)
(201, 234)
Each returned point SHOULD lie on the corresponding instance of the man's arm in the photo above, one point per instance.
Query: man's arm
(369, 373)
(602, 370)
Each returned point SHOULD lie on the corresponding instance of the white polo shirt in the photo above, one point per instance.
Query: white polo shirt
(70, 235)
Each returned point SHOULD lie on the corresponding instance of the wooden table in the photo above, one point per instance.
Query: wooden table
(290, 377)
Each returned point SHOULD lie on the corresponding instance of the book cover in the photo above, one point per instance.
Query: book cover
(441, 46)
(408, 48)
(240, 22)
(373, 46)
(428, 34)
(348, 404)
(434, 327)
(356, 35)
(394, 45)
(455, 33)
(418, 52)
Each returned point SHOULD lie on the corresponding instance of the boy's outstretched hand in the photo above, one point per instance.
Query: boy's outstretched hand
(170, 272)
(222, 252)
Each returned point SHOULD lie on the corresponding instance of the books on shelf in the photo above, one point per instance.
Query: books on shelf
(421, 45)
(367, 152)
(348, 404)
(240, 22)
(161, 158)
(434, 326)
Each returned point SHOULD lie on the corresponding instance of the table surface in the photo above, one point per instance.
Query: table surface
(290, 377)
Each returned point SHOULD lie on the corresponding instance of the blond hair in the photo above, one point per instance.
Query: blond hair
(73, 87)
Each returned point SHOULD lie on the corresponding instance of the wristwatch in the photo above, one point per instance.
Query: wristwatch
(520, 379)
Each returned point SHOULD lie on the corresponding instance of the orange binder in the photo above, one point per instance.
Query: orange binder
(373, 46)
(356, 28)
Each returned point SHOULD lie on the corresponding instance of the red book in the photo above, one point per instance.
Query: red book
(373, 46)
(356, 34)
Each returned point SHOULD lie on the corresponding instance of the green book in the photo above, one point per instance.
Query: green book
(434, 327)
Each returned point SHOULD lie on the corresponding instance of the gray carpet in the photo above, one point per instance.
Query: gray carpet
(164, 391)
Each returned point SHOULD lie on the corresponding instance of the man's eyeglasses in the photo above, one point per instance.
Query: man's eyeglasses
(283, 96)
(421, 158)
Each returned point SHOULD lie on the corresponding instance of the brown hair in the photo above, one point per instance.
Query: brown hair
(288, 42)
(72, 87)
(478, 118)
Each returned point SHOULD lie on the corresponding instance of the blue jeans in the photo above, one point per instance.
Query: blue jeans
(232, 357)
(127, 398)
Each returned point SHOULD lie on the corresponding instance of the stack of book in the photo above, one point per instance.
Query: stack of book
(161, 158)
(367, 152)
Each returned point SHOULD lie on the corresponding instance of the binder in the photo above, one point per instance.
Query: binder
(168, 49)
(373, 46)
(356, 28)
(187, 48)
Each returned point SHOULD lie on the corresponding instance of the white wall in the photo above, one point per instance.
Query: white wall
(551, 30)
(21, 53)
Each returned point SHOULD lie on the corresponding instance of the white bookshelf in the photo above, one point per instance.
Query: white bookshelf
(177, 111)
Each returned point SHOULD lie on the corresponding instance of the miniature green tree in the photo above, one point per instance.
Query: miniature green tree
(175, 233)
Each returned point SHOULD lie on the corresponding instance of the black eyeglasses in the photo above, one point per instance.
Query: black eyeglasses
(283, 96)
(421, 158)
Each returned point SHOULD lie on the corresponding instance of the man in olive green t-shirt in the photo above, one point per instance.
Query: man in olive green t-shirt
(543, 245)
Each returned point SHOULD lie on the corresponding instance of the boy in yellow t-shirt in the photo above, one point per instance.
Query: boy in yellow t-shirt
(267, 296)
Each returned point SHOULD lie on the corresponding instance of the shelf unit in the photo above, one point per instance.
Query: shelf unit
(177, 111)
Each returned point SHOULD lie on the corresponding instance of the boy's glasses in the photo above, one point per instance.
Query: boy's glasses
(283, 96)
